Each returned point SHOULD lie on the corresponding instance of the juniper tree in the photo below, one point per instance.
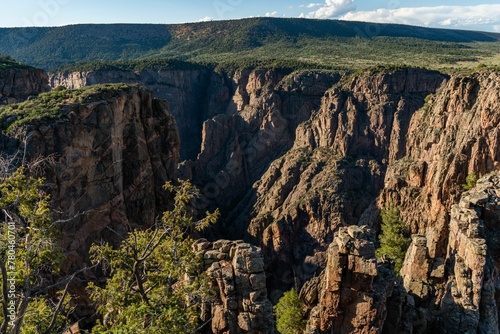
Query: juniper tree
(156, 282)
(34, 294)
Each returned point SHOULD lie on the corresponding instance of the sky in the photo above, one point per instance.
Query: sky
(459, 14)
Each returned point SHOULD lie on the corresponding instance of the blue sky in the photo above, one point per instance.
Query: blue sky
(474, 15)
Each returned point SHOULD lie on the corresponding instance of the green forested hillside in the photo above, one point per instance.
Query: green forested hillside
(322, 43)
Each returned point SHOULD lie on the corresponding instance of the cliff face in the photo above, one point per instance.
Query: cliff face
(352, 290)
(471, 296)
(334, 171)
(18, 84)
(297, 161)
(232, 125)
(183, 89)
(112, 154)
(455, 135)
(239, 282)
(385, 134)
(257, 127)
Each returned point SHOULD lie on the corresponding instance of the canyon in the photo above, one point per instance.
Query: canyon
(301, 164)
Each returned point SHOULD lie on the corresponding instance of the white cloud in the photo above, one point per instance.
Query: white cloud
(312, 5)
(206, 19)
(439, 16)
(271, 14)
(331, 8)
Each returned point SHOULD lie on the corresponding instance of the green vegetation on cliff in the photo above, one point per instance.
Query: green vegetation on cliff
(317, 43)
(7, 63)
(470, 181)
(394, 238)
(49, 105)
(290, 314)
(156, 283)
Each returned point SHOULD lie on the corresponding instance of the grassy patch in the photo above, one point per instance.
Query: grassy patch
(6, 63)
(50, 105)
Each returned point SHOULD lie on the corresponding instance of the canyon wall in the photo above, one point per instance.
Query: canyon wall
(298, 161)
(184, 90)
(110, 156)
(18, 84)
(232, 125)
(454, 135)
(334, 171)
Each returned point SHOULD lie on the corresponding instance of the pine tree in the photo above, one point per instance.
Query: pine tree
(470, 181)
(394, 238)
(290, 314)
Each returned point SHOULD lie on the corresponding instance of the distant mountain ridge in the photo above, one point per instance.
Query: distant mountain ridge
(313, 41)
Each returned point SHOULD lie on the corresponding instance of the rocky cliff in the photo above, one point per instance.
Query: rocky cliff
(411, 136)
(335, 169)
(454, 135)
(17, 84)
(350, 295)
(239, 281)
(297, 161)
(185, 91)
(111, 155)
(232, 125)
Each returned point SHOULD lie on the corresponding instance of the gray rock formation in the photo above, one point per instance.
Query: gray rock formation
(293, 168)
(334, 171)
(471, 298)
(238, 278)
(18, 84)
(185, 91)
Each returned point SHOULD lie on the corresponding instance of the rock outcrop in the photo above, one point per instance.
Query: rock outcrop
(297, 161)
(232, 125)
(334, 171)
(238, 278)
(472, 290)
(17, 84)
(352, 291)
(111, 155)
(454, 135)
(258, 126)
(185, 91)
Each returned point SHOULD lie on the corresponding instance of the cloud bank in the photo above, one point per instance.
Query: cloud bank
(481, 17)
(330, 9)
(439, 16)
